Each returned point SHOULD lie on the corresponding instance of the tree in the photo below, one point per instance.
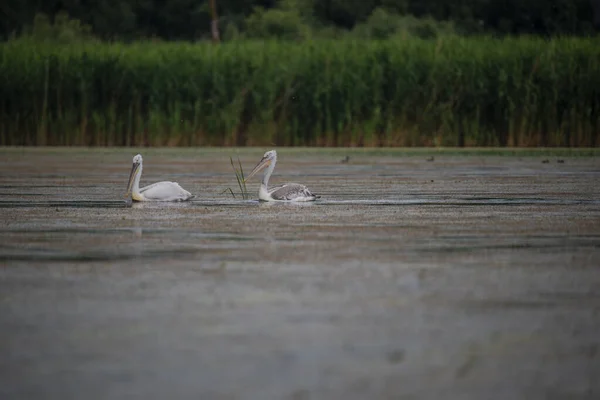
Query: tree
(214, 21)
(596, 10)
(199, 19)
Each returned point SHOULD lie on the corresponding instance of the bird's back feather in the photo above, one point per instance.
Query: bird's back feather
(165, 191)
(291, 191)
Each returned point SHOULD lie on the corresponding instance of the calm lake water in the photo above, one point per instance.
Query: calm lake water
(455, 277)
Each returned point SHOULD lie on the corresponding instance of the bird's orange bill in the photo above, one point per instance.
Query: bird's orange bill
(262, 163)
(132, 174)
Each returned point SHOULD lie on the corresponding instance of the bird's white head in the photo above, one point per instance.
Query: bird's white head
(137, 159)
(268, 158)
(271, 154)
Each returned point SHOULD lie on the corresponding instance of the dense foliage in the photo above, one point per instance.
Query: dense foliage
(190, 19)
(450, 91)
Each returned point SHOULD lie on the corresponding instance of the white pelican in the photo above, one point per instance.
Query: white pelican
(160, 191)
(285, 192)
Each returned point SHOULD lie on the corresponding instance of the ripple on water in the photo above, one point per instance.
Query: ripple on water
(482, 201)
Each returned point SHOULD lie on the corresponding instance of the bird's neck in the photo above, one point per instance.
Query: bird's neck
(136, 181)
(268, 172)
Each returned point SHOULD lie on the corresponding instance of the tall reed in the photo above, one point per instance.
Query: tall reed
(403, 92)
(241, 181)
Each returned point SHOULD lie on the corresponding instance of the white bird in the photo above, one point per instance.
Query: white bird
(160, 191)
(285, 192)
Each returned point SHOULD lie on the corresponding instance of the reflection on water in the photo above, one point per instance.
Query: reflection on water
(65, 203)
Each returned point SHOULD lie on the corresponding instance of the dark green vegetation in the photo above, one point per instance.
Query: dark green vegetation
(399, 92)
(300, 73)
(190, 19)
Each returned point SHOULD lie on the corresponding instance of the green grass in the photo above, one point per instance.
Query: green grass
(241, 181)
(516, 92)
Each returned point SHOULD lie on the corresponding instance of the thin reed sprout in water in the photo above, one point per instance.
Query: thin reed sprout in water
(239, 176)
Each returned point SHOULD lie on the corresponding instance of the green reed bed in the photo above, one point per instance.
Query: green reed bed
(402, 92)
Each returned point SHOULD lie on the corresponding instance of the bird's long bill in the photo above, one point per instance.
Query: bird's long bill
(132, 174)
(261, 164)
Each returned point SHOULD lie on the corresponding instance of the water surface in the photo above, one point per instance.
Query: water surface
(467, 276)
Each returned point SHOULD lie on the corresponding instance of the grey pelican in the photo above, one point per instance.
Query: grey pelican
(160, 191)
(285, 192)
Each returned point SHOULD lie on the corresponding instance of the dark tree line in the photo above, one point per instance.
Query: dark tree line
(191, 19)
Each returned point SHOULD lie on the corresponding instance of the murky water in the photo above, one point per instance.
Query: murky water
(460, 277)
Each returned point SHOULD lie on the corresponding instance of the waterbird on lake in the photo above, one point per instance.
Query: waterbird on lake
(285, 192)
(160, 191)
